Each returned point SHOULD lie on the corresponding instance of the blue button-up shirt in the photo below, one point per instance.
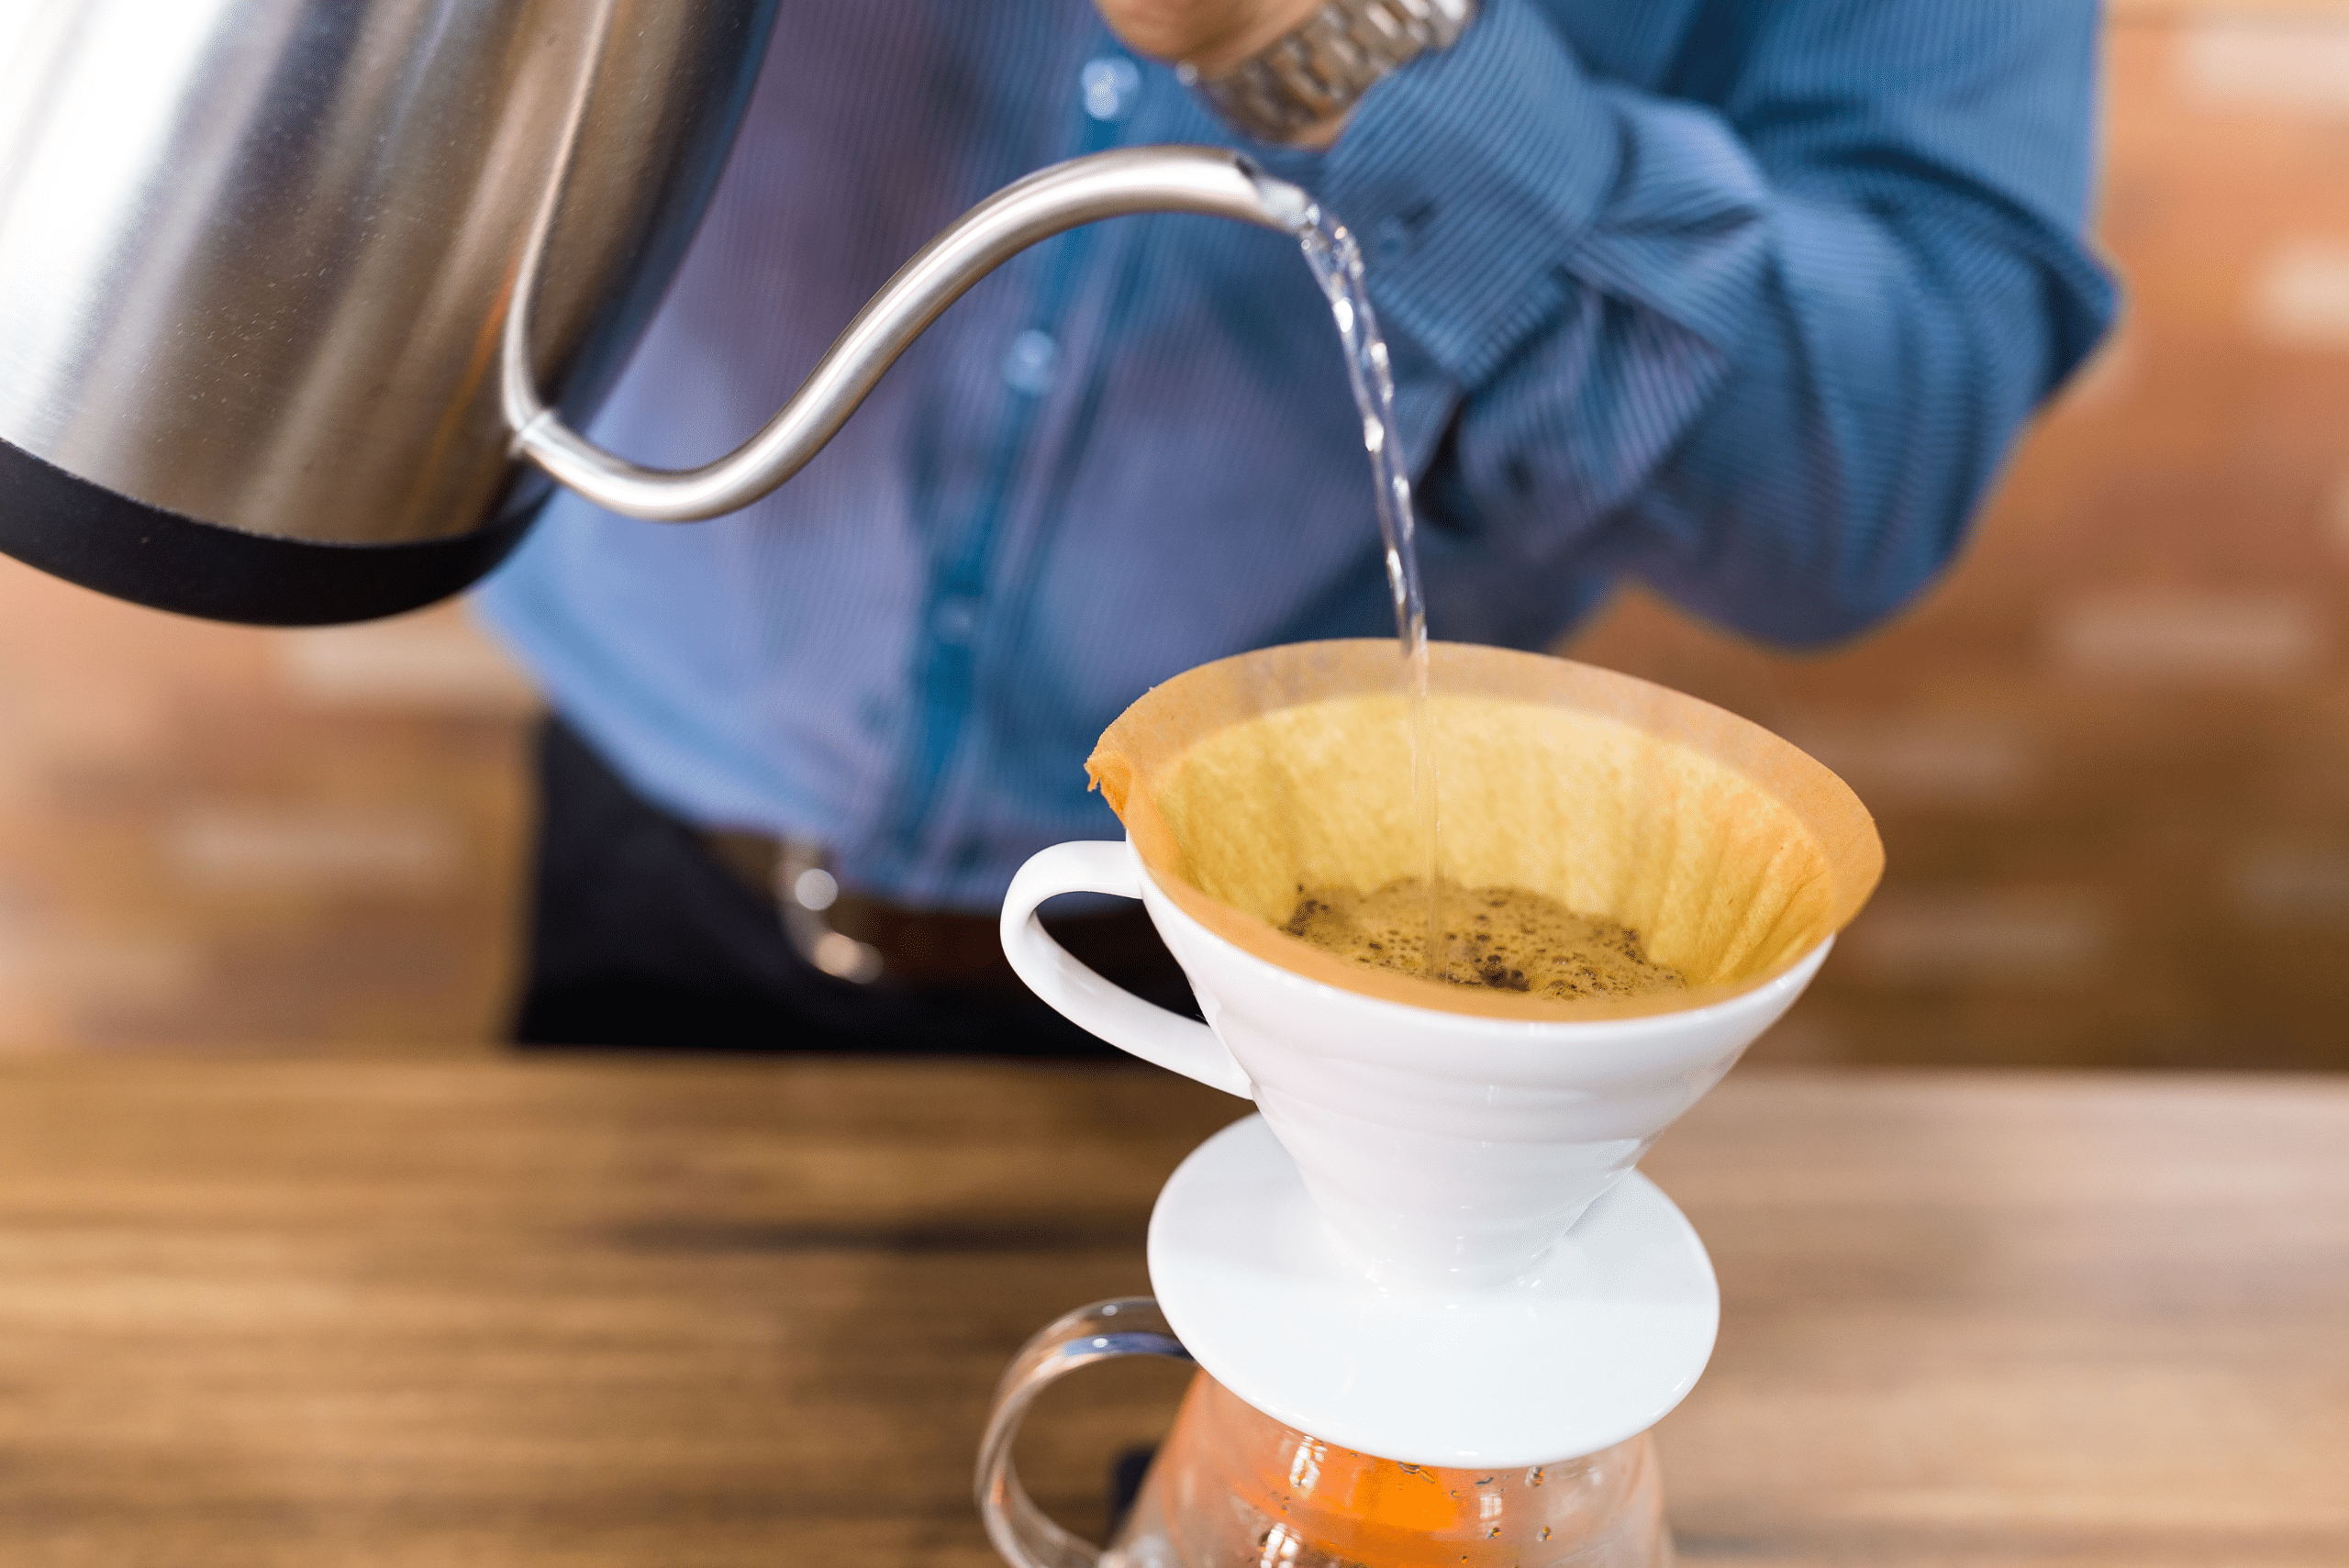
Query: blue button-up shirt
(1745, 301)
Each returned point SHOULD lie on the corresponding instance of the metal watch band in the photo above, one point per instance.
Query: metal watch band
(1317, 71)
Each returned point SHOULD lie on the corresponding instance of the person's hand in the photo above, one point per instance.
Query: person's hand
(1212, 35)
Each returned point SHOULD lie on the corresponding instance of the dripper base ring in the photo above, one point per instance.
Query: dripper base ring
(1595, 1345)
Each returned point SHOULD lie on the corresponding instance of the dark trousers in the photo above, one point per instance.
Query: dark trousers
(642, 937)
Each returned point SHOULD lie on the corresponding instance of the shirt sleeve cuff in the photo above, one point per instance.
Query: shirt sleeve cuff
(1467, 177)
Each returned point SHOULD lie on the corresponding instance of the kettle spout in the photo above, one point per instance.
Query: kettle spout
(1282, 206)
(1049, 202)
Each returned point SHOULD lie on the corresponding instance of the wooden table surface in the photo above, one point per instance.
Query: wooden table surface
(472, 1312)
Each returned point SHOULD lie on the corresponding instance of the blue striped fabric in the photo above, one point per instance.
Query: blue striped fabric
(1745, 301)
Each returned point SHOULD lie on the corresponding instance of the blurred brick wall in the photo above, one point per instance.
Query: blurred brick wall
(2109, 754)
(218, 836)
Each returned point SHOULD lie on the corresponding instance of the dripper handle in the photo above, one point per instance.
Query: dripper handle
(1141, 1029)
(1132, 1326)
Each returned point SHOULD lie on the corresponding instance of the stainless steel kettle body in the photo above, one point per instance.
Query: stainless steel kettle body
(301, 299)
(256, 255)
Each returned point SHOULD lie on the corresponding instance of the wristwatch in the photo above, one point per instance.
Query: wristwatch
(1317, 70)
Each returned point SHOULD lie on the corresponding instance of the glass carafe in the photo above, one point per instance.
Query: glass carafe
(1231, 1485)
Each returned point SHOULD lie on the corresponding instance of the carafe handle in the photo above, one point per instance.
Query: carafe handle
(1128, 1327)
(1143, 1029)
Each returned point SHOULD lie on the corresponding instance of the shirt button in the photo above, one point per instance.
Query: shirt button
(958, 619)
(1111, 83)
(1028, 363)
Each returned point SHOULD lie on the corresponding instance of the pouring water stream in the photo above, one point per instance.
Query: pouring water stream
(1336, 260)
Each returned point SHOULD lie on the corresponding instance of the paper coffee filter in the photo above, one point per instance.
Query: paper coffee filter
(1731, 852)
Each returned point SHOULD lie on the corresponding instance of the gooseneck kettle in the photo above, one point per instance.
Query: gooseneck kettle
(301, 301)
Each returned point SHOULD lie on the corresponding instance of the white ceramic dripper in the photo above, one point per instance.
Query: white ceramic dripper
(1444, 1149)
(1449, 1139)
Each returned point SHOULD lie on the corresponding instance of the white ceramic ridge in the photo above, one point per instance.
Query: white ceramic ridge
(1596, 1344)
(1444, 1151)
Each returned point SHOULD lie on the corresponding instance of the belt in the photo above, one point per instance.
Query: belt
(862, 941)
